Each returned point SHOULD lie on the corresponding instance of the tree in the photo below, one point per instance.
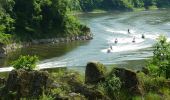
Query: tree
(160, 62)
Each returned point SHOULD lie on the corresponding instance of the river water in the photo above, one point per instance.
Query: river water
(106, 27)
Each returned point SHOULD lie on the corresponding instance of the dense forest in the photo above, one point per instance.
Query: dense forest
(28, 19)
(34, 19)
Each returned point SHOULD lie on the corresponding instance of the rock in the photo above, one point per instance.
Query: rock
(129, 81)
(95, 72)
(78, 87)
(26, 83)
(88, 92)
(55, 85)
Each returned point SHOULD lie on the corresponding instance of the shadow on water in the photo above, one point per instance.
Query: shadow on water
(43, 51)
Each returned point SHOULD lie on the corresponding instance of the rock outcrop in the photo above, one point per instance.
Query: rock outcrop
(95, 72)
(26, 84)
(129, 80)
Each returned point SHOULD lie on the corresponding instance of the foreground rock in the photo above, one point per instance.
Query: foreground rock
(77, 86)
(21, 83)
(95, 72)
(129, 81)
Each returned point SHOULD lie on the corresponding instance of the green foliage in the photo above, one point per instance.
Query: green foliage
(90, 5)
(5, 38)
(34, 19)
(26, 62)
(46, 97)
(160, 62)
(151, 83)
(111, 87)
(152, 96)
(45, 18)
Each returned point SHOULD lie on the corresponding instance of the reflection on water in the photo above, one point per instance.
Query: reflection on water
(43, 51)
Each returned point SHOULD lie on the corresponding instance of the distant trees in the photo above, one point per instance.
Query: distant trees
(89, 5)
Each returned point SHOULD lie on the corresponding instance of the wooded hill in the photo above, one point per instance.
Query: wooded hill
(35, 19)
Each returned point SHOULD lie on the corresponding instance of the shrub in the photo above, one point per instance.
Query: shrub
(5, 38)
(151, 83)
(113, 86)
(26, 62)
(152, 96)
(160, 62)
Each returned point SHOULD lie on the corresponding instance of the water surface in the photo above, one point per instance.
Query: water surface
(106, 28)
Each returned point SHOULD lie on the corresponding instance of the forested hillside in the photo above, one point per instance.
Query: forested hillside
(35, 19)
(30, 19)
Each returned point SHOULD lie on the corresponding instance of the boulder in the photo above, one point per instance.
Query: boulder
(26, 83)
(89, 92)
(95, 72)
(82, 90)
(129, 80)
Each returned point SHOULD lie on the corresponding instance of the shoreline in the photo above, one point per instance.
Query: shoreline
(6, 49)
(137, 65)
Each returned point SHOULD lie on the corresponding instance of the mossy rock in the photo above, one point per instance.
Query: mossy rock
(26, 83)
(95, 72)
(130, 81)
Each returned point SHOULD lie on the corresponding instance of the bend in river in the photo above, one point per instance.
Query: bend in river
(106, 28)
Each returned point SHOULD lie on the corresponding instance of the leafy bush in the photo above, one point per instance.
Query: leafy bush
(112, 86)
(5, 38)
(26, 62)
(160, 62)
(151, 83)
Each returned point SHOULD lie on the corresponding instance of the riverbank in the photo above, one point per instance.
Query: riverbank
(5, 49)
(97, 83)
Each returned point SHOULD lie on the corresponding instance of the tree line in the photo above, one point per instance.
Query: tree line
(34, 19)
(89, 5)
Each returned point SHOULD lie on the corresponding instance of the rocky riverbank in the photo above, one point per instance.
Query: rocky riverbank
(5, 49)
(98, 84)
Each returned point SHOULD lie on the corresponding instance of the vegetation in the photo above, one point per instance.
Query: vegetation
(160, 62)
(35, 19)
(112, 86)
(155, 83)
(90, 5)
(26, 62)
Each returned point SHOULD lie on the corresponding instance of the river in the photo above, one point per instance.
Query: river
(106, 27)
